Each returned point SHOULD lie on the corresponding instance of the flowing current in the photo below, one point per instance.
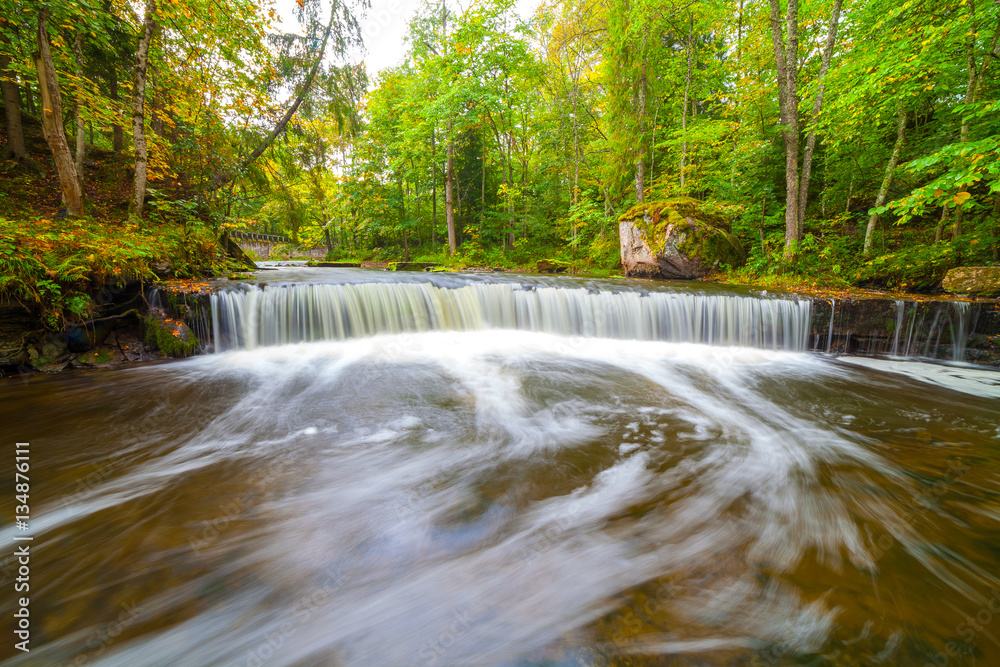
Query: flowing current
(295, 313)
(410, 474)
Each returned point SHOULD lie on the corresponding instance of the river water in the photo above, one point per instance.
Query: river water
(530, 472)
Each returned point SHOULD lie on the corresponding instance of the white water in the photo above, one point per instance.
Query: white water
(921, 336)
(490, 496)
(977, 381)
(285, 314)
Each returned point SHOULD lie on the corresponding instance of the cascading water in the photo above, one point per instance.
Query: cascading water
(283, 314)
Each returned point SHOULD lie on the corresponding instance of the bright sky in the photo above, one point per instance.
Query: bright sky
(384, 28)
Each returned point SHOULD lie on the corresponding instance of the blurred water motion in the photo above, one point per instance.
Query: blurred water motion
(508, 497)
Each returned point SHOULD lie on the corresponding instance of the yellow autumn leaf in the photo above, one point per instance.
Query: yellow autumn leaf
(962, 197)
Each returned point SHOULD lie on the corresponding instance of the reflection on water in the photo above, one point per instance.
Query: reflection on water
(508, 497)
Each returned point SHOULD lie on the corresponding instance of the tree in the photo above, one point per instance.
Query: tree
(139, 110)
(52, 120)
(883, 191)
(786, 54)
(12, 106)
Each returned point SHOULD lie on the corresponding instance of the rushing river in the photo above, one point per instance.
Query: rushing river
(410, 474)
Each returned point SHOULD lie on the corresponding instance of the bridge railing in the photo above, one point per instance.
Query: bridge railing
(262, 245)
(255, 237)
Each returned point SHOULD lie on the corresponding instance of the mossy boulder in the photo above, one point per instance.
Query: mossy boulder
(973, 281)
(551, 266)
(677, 239)
(169, 336)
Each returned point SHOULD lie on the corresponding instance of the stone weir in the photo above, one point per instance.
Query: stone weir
(966, 331)
(220, 316)
(869, 325)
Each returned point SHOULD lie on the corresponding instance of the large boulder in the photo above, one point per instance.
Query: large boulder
(676, 239)
(973, 281)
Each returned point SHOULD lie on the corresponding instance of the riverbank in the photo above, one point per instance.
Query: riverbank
(66, 286)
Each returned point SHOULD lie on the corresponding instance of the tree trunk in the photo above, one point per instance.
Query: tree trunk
(883, 192)
(434, 188)
(12, 105)
(576, 141)
(807, 159)
(939, 232)
(117, 135)
(640, 163)
(449, 178)
(786, 57)
(449, 193)
(29, 98)
(996, 224)
(482, 194)
(687, 94)
(139, 111)
(81, 137)
(52, 120)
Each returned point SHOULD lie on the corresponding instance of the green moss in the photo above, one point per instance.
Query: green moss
(676, 207)
(41, 362)
(161, 337)
(96, 357)
(704, 236)
(712, 245)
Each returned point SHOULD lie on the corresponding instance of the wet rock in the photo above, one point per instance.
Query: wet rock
(676, 239)
(16, 325)
(51, 355)
(54, 347)
(973, 281)
(163, 269)
(551, 266)
(44, 365)
(102, 357)
(411, 266)
(169, 336)
(131, 346)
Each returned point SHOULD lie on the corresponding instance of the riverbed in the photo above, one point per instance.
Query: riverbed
(522, 488)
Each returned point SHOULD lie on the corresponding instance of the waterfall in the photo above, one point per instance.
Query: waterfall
(897, 330)
(283, 314)
(961, 329)
(829, 335)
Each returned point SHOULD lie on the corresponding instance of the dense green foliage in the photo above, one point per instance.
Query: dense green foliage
(60, 267)
(561, 124)
(555, 126)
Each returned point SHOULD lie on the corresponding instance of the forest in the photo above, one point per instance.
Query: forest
(846, 142)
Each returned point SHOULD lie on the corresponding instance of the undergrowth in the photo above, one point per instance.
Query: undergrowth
(57, 266)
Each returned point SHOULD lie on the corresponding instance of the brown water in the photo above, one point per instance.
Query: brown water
(508, 497)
